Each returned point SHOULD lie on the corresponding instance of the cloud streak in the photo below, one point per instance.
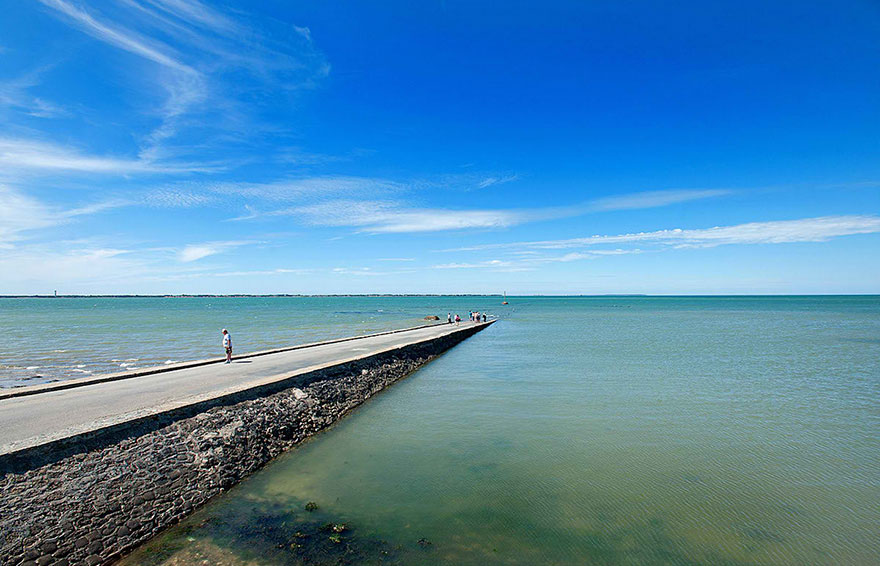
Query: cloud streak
(19, 155)
(20, 214)
(197, 50)
(195, 252)
(392, 217)
(819, 229)
(654, 199)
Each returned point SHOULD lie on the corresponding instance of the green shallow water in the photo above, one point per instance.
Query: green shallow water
(56, 339)
(590, 431)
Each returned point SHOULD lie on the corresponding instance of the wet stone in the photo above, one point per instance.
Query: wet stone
(49, 547)
(95, 547)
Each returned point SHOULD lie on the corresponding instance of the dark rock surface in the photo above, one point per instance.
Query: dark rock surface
(93, 506)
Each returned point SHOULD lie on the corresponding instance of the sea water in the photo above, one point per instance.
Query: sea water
(595, 430)
(53, 339)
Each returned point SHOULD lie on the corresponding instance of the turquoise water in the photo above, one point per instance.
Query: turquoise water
(584, 431)
(56, 339)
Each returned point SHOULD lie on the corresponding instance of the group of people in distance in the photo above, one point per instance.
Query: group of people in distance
(474, 315)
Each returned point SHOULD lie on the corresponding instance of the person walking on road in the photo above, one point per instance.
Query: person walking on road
(227, 345)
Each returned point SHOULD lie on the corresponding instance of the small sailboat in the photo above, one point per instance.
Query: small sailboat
(504, 302)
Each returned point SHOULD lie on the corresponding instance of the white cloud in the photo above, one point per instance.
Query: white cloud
(817, 229)
(14, 94)
(194, 47)
(367, 271)
(221, 274)
(120, 37)
(390, 217)
(489, 264)
(653, 199)
(308, 187)
(40, 268)
(194, 252)
(20, 213)
(172, 198)
(489, 181)
(531, 262)
(195, 11)
(394, 217)
(31, 155)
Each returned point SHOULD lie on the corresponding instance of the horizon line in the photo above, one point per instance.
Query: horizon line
(318, 295)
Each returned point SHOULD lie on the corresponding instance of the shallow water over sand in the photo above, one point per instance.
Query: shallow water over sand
(593, 430)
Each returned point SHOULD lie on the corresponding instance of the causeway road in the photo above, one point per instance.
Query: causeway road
(47, 414)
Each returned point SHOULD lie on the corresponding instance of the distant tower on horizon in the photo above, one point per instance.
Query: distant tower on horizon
(56, 292)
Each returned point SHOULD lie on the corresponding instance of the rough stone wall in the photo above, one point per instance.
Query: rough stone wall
(92, 507)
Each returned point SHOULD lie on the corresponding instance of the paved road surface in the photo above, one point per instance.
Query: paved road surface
(44, 417)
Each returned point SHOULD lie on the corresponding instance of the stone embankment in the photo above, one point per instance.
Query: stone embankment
(94, 506)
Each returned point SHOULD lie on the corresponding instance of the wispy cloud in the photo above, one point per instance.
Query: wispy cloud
(21, 214)
(296, 189)
(196, 12)
(223, 274)
(367, 271)
(489, 181)
(653, 199)
(173, 198)
(394, 217)
(14, 93)
(194, 46)
(818, 229)
(18, 155)
(532, 262)
(488, 264)
(118, 36)
(40, 268)
(391, 217)
(194, 252)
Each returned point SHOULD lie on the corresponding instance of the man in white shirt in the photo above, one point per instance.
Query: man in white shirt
(227, 345)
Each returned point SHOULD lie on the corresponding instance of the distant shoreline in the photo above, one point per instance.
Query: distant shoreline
(306, 296)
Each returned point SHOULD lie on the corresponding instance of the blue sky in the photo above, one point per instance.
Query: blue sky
(174, 146)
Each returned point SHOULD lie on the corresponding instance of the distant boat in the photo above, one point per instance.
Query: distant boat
(504, 302)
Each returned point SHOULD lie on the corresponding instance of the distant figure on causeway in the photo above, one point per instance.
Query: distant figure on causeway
(227, 345)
